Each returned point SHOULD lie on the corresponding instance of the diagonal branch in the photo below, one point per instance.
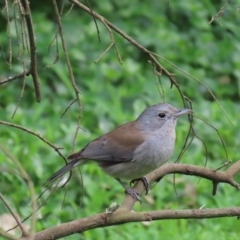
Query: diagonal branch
(135, 43)
(35, 134)
(187, 169)
(17, 76)
(24, 233)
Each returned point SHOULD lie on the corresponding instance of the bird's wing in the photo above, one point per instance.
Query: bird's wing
(117, 146)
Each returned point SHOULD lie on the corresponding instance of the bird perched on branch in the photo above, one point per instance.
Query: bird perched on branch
(133, 149)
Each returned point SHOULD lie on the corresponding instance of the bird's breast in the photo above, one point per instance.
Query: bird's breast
(158, 148)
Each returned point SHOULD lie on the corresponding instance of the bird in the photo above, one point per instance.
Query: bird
(133, 149)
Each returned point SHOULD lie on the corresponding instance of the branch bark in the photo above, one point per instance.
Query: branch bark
(106, 219)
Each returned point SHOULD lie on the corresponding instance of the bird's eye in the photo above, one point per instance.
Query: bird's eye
(162, 115)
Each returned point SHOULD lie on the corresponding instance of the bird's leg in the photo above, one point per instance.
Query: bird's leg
(129, 190)
(145, 182)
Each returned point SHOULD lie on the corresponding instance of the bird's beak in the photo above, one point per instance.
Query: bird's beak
(181, 112)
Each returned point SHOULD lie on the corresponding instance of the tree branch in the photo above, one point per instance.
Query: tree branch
(108, 219)
(124, 214)
(33, 57)
(35, 134)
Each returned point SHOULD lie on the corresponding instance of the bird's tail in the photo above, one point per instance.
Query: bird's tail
(63, 170)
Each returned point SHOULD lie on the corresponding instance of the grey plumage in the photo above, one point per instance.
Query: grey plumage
(133, 149)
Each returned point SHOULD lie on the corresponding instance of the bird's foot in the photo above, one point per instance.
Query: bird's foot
(145, 182)
(129, 190)
(133, 193)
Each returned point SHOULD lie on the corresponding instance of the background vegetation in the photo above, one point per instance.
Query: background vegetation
(112, 94)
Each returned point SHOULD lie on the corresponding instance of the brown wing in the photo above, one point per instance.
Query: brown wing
(117, 145)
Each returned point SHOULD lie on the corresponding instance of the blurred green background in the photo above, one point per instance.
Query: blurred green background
(113, 94)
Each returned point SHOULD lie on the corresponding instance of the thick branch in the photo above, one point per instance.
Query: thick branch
(106, 219)
(33, 58)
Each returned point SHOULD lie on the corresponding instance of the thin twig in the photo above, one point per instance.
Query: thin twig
(22, 91)
(223, 165)
(220, 12)
(25, 176)
(107, 49)
(113, 43)
(70, 9)
(158, 80)
(24, 233)
(72, 78)
(95, 22)
(15, 77)
(56, 59)
(35, 134)
(39, 206)
(69, 106)
(9, 34)
(15, 5)
(204, 85)
(218, 133)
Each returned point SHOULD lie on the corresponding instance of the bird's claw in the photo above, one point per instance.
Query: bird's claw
(134, 194)
(145, 182)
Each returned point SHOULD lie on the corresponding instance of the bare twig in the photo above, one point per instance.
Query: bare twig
(224, 165)
(70, 9)
(95, 22)
(25, 176)
(113, 43)
(218, 133)
(158, 80)
(107, 49)
(69, 106)
(204, 85)
(39, 206)
(9, 35)
(21, 94)
(35, 134)
(24, 233)
(72, 78)
(15, 77)
(56, 59)
(220, 12)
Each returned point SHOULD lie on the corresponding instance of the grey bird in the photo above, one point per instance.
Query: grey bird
(133, 149)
